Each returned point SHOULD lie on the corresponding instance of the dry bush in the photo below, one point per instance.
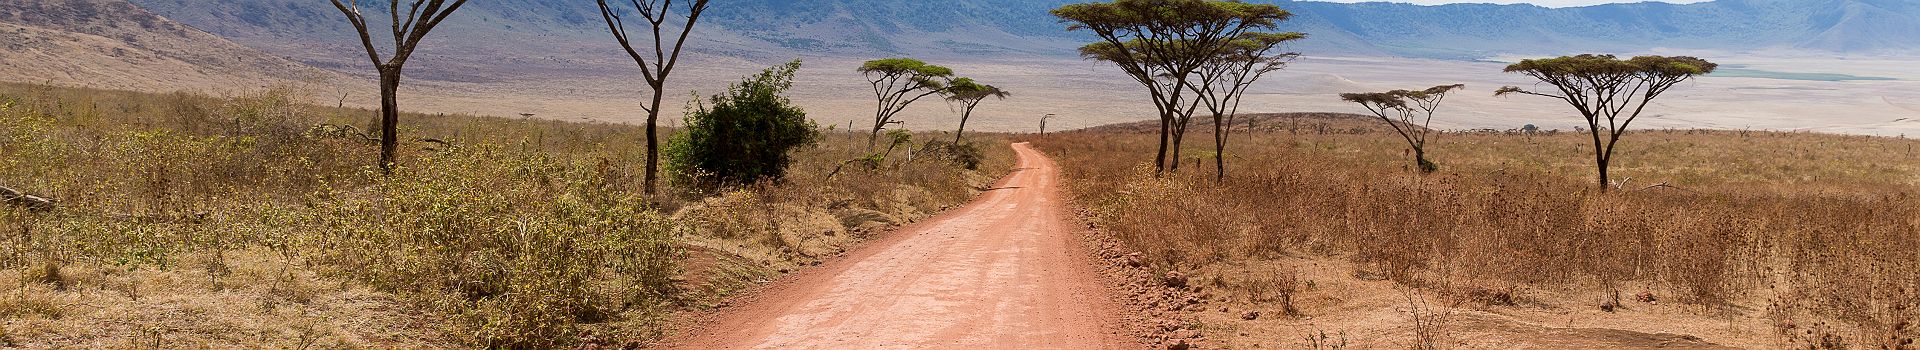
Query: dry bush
(1277, 287)
(1429, 325)
(1825, 221)
(511, 233)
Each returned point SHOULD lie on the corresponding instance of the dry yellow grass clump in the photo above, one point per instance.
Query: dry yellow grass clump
(258, 222)
(1814, 238)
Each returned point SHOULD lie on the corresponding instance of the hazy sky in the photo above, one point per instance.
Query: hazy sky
(1546, 3)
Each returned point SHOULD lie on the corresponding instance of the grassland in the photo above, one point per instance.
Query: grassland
(258, 221)
(1751, 239)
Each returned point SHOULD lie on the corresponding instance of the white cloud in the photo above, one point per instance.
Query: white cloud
(1545, 3)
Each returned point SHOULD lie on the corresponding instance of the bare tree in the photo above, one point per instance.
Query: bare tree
(14, 197)
(656, 68)
(1224, 81)
(1043, 124)
(1408, 112)
(969, 94)
(421, 17)
(1605, 88)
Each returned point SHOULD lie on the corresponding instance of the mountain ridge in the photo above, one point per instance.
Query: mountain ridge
(541, 38)
(114, 44)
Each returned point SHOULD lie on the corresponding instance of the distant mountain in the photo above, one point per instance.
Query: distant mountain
(494, 41)
(1482, 30)
(538, 38)
(114, 44)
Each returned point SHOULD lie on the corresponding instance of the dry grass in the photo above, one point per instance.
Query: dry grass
(257, 221)
(1822, 230)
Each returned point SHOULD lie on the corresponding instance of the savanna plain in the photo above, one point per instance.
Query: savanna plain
(254, 221)
(1324, 235)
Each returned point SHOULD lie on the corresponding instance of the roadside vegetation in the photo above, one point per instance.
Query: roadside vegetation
(183, 220)
(1814, 238)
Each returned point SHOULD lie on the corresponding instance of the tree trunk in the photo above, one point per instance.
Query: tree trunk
(389, 117)
(1420, 161)
(1604, 184)
(1219, 150)
(963, 125)
(1600, 162)
(1160, 159)
(653, 137)
(1179, 136)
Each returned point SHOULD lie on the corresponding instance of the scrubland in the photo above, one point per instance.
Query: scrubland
(259, 221)
(1750, 239)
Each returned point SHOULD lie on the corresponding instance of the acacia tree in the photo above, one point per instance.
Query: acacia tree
(656, 68)
(1161, 43)
(1224, 81)
(897, 83)
(1408, 112)
(421, 17)
(969, 94)
(1609, 92)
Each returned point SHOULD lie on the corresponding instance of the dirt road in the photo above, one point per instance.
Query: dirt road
(1006, 271)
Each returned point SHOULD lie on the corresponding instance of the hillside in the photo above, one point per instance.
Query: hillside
(513, 39)
(114, 44)
(542, 38)
(1483, 30)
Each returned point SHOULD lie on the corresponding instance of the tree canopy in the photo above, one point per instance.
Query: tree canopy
(1409, 113)
(1609, 92)
(966, 89)
(898, 83)
(969, 94)
(1162, 43)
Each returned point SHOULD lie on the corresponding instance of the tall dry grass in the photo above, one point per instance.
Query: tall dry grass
(493, 232)
(1824, 230)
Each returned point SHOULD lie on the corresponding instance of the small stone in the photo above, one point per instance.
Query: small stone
(1223, 309)
(1166, 324)
(1186, 334)
(1250, 315)
(1175, 279)
(1178, 344)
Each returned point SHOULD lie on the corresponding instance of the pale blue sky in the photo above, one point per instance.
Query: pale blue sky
(1546, 3)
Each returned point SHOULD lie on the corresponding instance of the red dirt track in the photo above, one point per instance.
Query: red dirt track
(1006, 271)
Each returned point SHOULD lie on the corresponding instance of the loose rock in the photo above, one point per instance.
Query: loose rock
(1175, 279)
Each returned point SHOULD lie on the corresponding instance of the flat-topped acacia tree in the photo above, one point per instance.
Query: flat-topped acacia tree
(1408, 112)
(421, 17)
(969, 94)
(1161, 43)
(656, 68)
(1225, 80)
(897, 83)
(1609, 92)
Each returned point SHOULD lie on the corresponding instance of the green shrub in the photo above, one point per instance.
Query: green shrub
(745, 135)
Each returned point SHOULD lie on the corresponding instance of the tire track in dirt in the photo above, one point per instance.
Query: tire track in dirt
(1008, 270)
